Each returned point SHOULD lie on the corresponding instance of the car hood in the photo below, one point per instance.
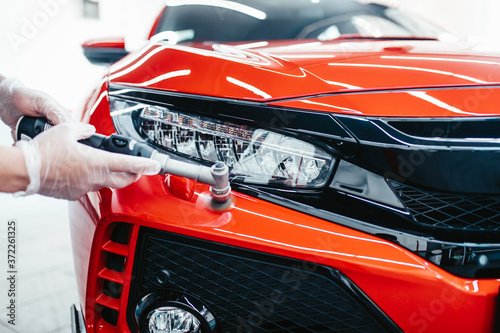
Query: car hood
(273, 71)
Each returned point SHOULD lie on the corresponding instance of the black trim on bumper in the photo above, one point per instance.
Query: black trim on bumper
(77, 322)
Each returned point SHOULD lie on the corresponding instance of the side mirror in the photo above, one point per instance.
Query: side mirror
(104, 51)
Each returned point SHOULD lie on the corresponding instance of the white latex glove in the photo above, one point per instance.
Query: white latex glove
(16, 101)
(61, 167)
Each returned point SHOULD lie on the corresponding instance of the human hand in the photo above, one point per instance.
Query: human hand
(61, 167)
(16, 101)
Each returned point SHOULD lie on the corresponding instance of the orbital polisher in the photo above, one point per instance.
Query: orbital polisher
(216, 176)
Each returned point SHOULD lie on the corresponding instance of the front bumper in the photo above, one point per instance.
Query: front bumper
(416, 295)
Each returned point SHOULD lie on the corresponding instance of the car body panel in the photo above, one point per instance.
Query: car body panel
(309, 68)
(430, 299)
(111, 43)
(477, 101)
(378, 267)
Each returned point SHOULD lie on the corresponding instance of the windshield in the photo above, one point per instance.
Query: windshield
(251, 20)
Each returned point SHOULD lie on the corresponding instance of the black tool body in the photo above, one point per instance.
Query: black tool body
(29, 127)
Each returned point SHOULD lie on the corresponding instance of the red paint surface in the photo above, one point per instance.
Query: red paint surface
(479, 101)
(110, 43)
(311, 68)
(413, 292)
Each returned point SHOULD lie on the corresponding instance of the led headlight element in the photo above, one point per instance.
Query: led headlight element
(255, 156)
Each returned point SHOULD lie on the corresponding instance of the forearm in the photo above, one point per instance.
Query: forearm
(13, 174)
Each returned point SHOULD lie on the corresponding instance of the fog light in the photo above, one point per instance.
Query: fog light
(170, 319)
(174, 312)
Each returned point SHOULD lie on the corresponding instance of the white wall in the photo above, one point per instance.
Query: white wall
(134, 18)
(40, 41)
(474, 19)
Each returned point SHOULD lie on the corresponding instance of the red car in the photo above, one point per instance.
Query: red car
(364, 154)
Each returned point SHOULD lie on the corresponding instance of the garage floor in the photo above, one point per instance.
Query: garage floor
(46, 284)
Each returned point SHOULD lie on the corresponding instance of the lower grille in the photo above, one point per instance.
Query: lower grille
(254, 292)
(450, 211)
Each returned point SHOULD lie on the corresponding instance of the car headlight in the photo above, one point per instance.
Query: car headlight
(254, 156)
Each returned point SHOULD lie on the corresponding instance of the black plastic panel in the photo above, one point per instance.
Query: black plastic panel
(450, 128)
(103, 56)
(451, 211)
(255, 292)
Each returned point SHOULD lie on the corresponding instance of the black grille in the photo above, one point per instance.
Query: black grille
(450, 129)
(450, 211)
(255, 292)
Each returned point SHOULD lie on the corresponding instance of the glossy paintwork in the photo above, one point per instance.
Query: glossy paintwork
(85, 214)
(111, 43)
(418, 296)
(308, 68)
(181, 187)
(480, 101)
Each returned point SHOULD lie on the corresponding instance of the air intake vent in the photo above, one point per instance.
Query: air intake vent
(114, 252)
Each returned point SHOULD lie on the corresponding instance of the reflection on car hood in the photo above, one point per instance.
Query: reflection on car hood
(277, 70)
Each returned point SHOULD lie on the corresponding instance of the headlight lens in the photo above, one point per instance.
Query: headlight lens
(254, 156)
